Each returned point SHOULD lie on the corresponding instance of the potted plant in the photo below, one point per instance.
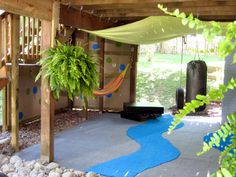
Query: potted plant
(69, 68)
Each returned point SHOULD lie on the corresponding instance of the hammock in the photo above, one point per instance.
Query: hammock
(112, 86)
(4, 78)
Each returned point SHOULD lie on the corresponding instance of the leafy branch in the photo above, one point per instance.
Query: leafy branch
(226, 46)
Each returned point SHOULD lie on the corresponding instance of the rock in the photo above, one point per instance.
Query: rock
(24, 170)
(38, 166)
(41, 175)
(7, 168)
(22, 174)
(3, 159)
(68, 174)
(18, 164)
(91, 174)
(29, 164)
(59, 170)
(15, 159)
(54, 174)
(34, 173)
(52, 166)
(79, 173)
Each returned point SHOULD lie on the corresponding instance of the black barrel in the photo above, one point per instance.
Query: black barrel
(179, 98)
(196, 82)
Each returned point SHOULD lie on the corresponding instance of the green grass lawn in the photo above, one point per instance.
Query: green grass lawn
(158, 78)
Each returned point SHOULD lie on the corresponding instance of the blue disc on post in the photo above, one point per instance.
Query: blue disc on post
(109, 95)
(35, 90)
(20, 115)
(122, 67)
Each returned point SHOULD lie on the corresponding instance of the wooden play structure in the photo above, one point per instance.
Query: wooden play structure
(30, 26)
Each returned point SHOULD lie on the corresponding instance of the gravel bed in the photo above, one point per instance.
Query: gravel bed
(14, 166)
(29, 133)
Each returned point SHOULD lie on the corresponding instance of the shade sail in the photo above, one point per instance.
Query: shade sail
(150, 30)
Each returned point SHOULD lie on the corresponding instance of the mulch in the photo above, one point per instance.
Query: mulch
(214, 109)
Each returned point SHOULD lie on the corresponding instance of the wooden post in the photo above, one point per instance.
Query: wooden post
(15, 50)
(4, 104)
(1, 26)
(133, 73)
(101, 75)
(47, 104)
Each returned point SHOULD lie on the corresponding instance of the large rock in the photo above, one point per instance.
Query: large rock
(38, 166)
(29, 164)
(7, 168)
(79, 173)
(68, 174)
(3, 159)
(52, 166)
(15, 159)
(91, 174)
(54, 174)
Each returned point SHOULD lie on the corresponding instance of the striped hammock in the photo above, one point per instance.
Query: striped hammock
(4, 77)
(114, 85)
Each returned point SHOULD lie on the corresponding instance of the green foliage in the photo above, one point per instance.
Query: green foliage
(69, 68)
(227, 158)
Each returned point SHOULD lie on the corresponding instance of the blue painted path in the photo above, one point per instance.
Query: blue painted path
(154, 150)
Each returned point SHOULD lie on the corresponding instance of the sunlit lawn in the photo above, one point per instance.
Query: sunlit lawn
(159, 78)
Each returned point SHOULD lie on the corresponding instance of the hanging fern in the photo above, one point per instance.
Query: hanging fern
(70, 69)
(227, 159)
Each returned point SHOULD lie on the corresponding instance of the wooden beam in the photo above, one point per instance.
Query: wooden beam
(103, 2)
(74, 18)
(39, 9)
(133, 73)
(15, 47)
(153, 5)
(47, 104)
(101, 68)
(203, 11)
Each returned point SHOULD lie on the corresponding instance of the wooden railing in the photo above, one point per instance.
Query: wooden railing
(30, 33)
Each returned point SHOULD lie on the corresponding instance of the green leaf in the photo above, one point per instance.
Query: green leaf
(184, 21)
(234, 58)
(225, 172)
(176, 12)
(218, 174)
(191, 24)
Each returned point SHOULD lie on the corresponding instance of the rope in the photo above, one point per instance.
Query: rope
(181, 64)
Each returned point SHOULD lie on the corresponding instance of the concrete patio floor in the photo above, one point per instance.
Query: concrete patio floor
(104, 138)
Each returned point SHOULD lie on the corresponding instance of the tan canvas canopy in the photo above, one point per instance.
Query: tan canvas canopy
(150, 30)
